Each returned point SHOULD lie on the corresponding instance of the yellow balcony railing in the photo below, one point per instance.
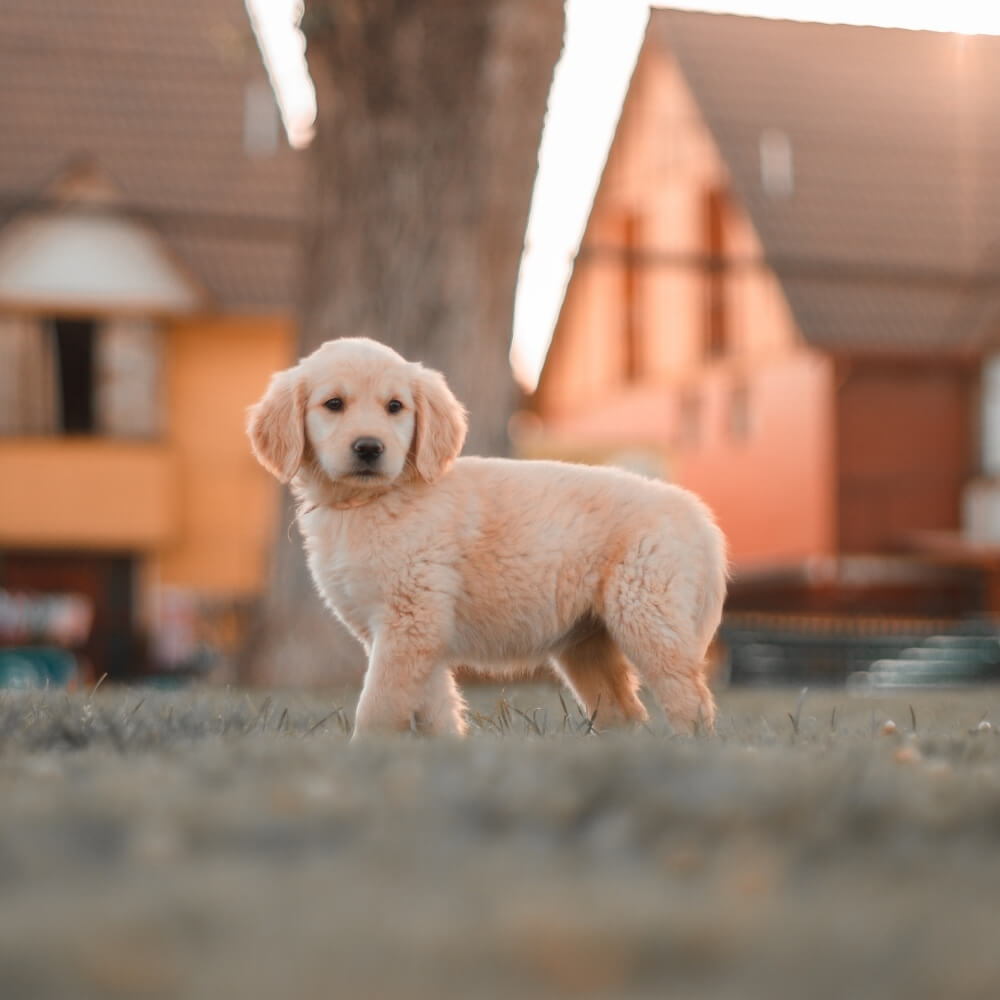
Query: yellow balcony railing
(79, 492)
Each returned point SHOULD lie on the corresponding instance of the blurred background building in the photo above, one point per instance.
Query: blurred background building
(149, 210)
(786, 298)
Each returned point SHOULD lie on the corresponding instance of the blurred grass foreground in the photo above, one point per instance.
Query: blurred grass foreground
(207, 843)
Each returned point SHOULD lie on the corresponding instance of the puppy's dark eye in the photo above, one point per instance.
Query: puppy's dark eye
(394, 406)
(336, 403)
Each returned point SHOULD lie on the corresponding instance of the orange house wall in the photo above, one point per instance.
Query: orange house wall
(226, 505)
(773, 490)
(193, 506)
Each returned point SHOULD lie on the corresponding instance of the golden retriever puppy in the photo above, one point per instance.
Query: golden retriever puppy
(435, 561)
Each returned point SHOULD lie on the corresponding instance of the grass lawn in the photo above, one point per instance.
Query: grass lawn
(219, 844)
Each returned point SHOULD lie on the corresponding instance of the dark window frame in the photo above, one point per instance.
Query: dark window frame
(716, 319)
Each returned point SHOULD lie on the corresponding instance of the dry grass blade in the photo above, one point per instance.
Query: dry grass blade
(796, 719)
(262, 714)
(545, 718)
(345, 723)
(478, 719)
(326, 718)
(527, 718)
(565, 721)
(588, 720)
(503, 710)
(484, 721)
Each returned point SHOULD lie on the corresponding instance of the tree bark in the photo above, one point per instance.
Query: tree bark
(427, 133)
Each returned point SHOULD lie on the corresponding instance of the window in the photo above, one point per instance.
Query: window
(714, 237)
(689, 430)
(630, 298)
(739, 412)
(777, 174)
(74, 343)
(990, 417)
(129, 378)
(80, 376)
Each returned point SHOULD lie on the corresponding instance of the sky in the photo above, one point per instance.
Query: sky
(602, 40)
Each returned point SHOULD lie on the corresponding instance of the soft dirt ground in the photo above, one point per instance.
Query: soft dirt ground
(222, 844)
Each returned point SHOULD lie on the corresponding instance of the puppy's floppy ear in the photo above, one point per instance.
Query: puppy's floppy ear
(276, 425)
(440, 424)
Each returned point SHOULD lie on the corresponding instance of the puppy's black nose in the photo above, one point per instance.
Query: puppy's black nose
(368, 449)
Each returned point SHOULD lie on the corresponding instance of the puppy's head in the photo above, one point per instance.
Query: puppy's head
(354, 414)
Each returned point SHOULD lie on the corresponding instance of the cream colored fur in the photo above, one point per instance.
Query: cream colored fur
(437, 561)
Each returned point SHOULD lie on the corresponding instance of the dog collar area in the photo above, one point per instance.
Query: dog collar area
(356, 502)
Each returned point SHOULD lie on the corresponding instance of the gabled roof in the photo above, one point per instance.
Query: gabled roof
(890, 238)
(153, 96)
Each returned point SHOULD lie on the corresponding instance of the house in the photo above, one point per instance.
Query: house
(787, 298)
(149, 218)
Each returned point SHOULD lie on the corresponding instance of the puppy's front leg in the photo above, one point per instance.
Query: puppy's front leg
(443, 710)
(400, 668)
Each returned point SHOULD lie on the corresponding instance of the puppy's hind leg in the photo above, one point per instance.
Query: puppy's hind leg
(602, 680)
(669, 666)
(662, 604)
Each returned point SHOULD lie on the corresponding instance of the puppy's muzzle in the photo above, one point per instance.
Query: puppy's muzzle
(368, 450)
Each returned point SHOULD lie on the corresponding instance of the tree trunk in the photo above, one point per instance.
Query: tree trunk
(429, 119)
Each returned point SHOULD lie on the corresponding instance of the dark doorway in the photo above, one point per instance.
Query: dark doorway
(75, 350)
(903, 451)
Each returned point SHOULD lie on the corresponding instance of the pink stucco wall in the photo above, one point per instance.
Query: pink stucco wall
(751, 430)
